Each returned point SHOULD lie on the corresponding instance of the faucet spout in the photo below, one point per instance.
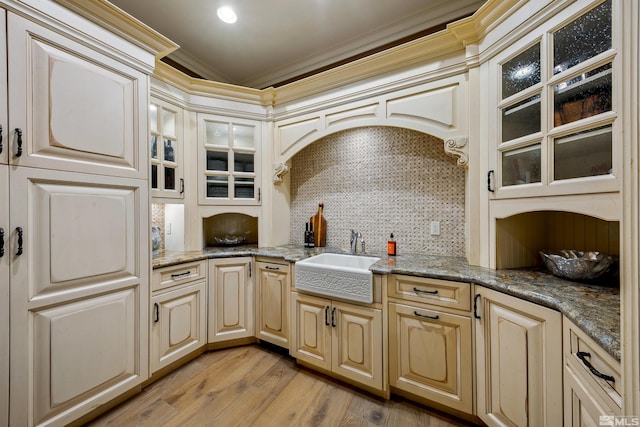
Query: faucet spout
(354, 241)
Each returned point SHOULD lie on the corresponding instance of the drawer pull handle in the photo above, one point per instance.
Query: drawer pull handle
(436, 317)
(475, 306)
(20, 248)
(582, 355)
(175, 276)
(272, 268)
(421, 291)
(326, 315)
(19, 150)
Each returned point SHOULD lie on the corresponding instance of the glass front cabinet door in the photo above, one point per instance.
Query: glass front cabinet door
(229, 160)
(165, 145)
(556, 108)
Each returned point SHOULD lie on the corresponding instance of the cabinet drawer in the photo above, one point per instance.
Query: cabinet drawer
(166, 277)
(580, 351)
(431, 291)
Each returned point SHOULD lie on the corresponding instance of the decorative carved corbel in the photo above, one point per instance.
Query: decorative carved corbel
(457, 147)
(281, 170)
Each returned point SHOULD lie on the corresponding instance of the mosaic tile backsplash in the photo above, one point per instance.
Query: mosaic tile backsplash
(378, 181)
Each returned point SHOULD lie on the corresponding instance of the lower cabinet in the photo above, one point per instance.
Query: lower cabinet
(273, 287)
(592, 383)
(4, 295)
(343, 338)
(431, 355)
(179, 323)
(518, 361)
(231, 299)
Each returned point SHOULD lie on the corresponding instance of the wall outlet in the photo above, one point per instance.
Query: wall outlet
(435, 228)
(168, 228)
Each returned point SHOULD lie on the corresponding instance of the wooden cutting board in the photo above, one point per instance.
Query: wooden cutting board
(319, 227)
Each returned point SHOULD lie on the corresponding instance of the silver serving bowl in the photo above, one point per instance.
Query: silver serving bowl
(577, 265)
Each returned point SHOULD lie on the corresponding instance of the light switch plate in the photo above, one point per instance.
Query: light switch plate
(435, 228)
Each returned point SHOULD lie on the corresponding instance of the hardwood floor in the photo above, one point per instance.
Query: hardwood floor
(254, 386)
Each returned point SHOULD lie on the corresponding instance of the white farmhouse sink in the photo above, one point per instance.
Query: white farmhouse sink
(337, 275)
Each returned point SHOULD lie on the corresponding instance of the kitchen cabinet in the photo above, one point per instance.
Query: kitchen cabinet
(342, 338)
(179, 312)
(518, 361)
(592, 381)
(273, 287)
(5, 252)
(430, 343)
(166, 145)
(231, 299)
(556, 108)
(228, 160)
(76, 193)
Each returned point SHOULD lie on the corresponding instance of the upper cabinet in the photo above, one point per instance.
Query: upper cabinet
(228, 160)
(166, 148)
(556, 109)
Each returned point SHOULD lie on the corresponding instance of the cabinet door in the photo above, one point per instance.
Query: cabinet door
(79, 292)
(4, 295)
(356, 348)
(312, 330)
(166, 148)
(272, 303)
(76, 109)
(582, 409)
(179, 324)
(430, 355)
(4, 125)
(518, 362)
(230, 299)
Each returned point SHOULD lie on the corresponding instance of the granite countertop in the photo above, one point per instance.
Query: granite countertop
(595, 309)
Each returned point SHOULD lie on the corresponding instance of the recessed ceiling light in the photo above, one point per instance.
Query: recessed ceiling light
(226, 14)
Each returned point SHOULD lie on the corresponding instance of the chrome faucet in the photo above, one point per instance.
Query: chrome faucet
(354, 241)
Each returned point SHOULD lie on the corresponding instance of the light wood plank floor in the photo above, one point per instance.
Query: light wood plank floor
(254, 386)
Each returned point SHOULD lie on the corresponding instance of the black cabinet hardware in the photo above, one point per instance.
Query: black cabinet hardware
(19, 231)
(250, 269)
(272, 268)
(475, 306)
(333, 317)
(582, 355)
(156, 313)
(19, 133)
(1, 242)
(424, 316)
(421, 291)
(175, 276)
(326, 315)
(490, 174)
(181, 185)
(0, 138)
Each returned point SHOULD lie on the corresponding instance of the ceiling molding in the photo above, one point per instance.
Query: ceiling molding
(116, 20)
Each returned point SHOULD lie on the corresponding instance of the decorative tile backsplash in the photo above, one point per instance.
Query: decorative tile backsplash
(378, 181)
(157, 220)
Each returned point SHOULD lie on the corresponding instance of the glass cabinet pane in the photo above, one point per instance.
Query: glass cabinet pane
(153, 118)
(169, 150)
(154, 176)
(243, 136)
(154, 147)
(217, 186)
(583, 38)
(521, 166)
(243, 162)
(244, 188)
(217, 133)
(583, 96)
(168, 123)
(169, 178)
(587, 153)
(521, 72)
(521, 119)
(217, 160)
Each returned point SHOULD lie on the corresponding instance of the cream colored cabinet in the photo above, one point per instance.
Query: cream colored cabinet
(518, 361)
(592, 381)
(273, 287)
(166, 145)
(431, 344)
(76, 243)
(5, 252)
(179, 312)
(343, 338)
(231, 299)
(228, 160)
(556, 123)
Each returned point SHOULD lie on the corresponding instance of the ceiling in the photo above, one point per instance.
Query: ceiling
(277, 41)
